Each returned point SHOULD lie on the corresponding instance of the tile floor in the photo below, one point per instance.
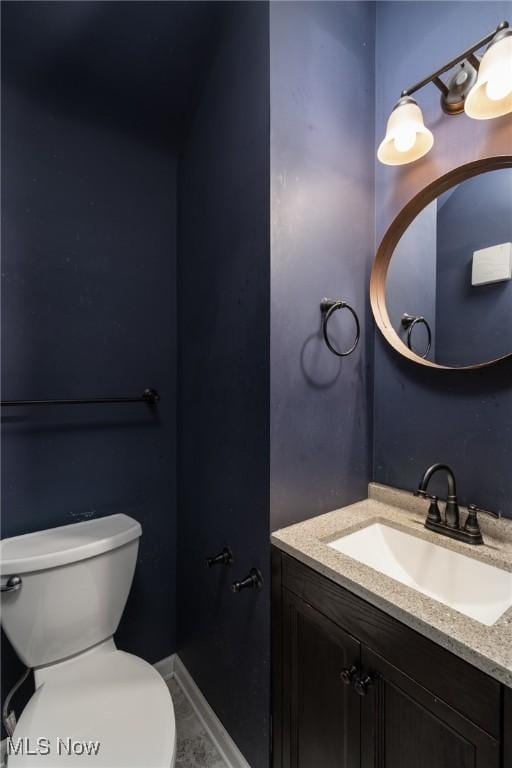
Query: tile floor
(195, 749)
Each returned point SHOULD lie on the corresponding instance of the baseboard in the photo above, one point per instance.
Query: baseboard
(166, 667)
(225, 745)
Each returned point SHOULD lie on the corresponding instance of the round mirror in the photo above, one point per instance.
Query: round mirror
(441, 287)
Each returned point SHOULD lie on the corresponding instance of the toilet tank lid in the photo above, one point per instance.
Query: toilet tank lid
(66, 544)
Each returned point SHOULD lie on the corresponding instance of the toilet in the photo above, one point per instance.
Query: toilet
(63, 593)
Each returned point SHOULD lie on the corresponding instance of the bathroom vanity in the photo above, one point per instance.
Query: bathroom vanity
(370, 671)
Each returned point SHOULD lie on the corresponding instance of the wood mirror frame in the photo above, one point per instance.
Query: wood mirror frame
(390, 241)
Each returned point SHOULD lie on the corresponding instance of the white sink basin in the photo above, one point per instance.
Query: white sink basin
(480, 591)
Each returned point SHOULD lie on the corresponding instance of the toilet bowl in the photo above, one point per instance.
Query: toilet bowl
(94, 704)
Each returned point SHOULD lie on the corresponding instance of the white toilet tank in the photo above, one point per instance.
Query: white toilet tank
(75, 581)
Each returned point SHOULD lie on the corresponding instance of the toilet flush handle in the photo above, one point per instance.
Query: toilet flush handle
(12, 584)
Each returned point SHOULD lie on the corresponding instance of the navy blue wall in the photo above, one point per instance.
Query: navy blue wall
(411, 279)
(89, 144)
(322, 71)
(88, 308)
(424, 416)
(90, 140)
(474, 322)
(223, 456)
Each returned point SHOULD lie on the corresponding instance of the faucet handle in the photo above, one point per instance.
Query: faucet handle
(473, 509)
(433, 514)
(472, 526)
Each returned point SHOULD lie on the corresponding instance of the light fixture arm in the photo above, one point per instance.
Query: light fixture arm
(478, 86)
(468, 54)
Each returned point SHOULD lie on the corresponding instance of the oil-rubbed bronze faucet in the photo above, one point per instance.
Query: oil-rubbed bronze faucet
(450, 526)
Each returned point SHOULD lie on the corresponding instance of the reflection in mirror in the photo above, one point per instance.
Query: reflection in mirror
(449, 279)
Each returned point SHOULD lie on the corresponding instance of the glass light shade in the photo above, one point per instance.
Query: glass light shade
(407, 138)
(491, 95)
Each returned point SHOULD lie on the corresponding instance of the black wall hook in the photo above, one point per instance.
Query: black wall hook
(253, 581)
(328, 307)
(223, 558)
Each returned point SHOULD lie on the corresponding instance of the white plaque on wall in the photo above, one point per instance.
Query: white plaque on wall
(492, 265)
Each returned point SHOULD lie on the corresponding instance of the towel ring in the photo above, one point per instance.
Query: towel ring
(328, 308)
(409, 321)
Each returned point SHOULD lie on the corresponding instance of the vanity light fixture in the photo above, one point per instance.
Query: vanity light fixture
(491, 96)
(407, 137)
(480, 87)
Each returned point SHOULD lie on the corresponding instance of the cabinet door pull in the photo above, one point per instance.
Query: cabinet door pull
(348, 675)
(362, 683)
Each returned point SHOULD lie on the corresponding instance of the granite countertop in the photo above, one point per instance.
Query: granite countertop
(487, 647)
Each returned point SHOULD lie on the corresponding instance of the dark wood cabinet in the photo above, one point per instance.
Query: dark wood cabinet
(323, 717)
(507, 728)
(408, 703)
(405, 726)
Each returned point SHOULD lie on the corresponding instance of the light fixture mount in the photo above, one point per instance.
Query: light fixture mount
(458, 87)
(454, 94)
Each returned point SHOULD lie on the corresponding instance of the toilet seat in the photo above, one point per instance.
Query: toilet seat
(112, 698)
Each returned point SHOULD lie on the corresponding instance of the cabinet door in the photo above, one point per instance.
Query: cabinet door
(507, 727)
(321, 714)
(405, 726)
